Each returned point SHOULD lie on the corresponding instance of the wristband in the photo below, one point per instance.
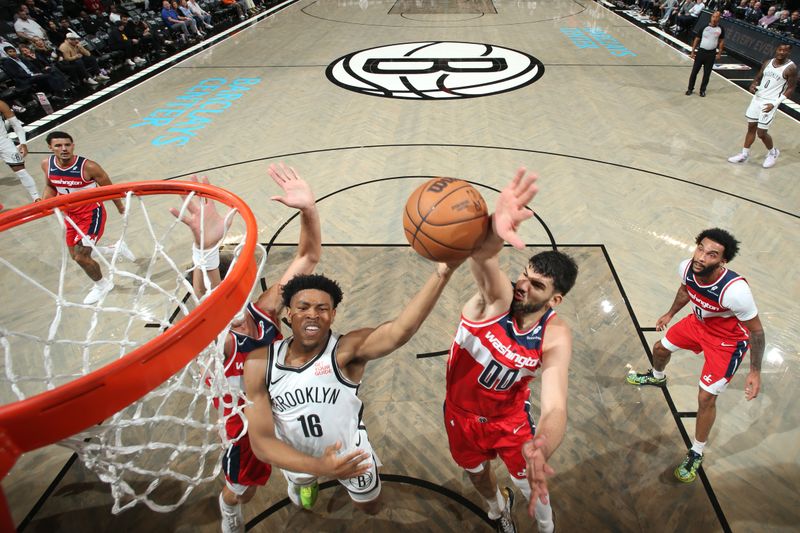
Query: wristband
(205, 259)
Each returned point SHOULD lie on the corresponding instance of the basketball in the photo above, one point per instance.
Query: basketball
(445, 219)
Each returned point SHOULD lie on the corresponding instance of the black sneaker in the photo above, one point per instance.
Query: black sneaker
(505, 524)
(688, 92)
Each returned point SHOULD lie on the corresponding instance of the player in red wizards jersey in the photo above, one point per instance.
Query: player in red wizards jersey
(66, 173)
(723, 324)
(508, 334)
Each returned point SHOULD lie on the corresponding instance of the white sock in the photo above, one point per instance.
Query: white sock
(773, 150)
(105, 250)
(524, 488)
(30, 185)
(698, 447)
(659, 374)
(746, 151)
(229, 508)
(496, 505)
(544, 517)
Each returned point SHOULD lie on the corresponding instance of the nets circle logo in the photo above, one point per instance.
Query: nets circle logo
(435, 70)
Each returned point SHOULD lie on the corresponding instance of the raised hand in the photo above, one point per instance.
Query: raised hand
(510, 210)
(537, 471)
(344, 467)
(201, 215)
(297, 193)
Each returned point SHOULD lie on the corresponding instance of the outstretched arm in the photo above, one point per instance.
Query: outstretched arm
(297, 194)
(494, 288)
(371, 343)
(552, 424)
(270, 449)
(208, 229)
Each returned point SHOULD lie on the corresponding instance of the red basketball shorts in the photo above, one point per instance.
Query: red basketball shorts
(723, 355)
(91, 223)
(242, 468)
(475, 439)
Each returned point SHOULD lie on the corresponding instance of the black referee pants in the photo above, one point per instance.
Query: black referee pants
(704, 58)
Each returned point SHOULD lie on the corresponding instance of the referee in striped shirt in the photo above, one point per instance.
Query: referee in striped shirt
(711, 41)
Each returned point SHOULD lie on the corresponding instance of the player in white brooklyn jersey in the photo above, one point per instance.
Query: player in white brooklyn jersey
(304, 388)
(15, 156)
(775, 82)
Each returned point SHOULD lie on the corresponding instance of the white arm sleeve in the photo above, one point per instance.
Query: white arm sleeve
(739, 299)
(18, 129)
(682, 269)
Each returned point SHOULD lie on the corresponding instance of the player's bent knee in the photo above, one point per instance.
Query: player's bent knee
(477, 472)
(706, 399)
(247, 495)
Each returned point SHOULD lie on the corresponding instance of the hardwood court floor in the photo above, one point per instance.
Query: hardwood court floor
(631, 169)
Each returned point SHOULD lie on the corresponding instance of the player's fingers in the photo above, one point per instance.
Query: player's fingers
(517, 178)
(275, 174)
(292, 173)
(280, 199)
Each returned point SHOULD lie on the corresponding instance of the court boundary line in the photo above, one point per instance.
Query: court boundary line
(487, 147)
(676, 415)
(388, 478)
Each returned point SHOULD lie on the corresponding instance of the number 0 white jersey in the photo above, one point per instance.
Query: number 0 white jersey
(773, 84)
(315, 405)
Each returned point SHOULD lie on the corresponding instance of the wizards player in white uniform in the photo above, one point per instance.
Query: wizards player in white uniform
(775, 82)
(67, 173)
(723, 324)
(508, 335)
(258, 328)
(304, 389)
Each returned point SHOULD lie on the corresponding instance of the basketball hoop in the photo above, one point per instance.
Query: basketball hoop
(65, 409)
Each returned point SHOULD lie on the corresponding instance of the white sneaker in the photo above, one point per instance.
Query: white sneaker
(91, 81)
(741, 157)
(139, 61)
(102, 77)
(125, 252)
(98, 292)
(772, 156)
(130, 63)
(207, 25)
(232, 517)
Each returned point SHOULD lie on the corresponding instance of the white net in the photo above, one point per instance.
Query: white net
(158, 449)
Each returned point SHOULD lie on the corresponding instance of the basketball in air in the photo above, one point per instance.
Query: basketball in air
(445, 219)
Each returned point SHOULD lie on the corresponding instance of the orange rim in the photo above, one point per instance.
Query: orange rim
(56, 414)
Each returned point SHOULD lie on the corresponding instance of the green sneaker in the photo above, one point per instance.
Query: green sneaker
(308, 495)
(647, 378)
(687, 470)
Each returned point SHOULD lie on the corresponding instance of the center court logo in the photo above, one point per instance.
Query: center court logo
(440, 70)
